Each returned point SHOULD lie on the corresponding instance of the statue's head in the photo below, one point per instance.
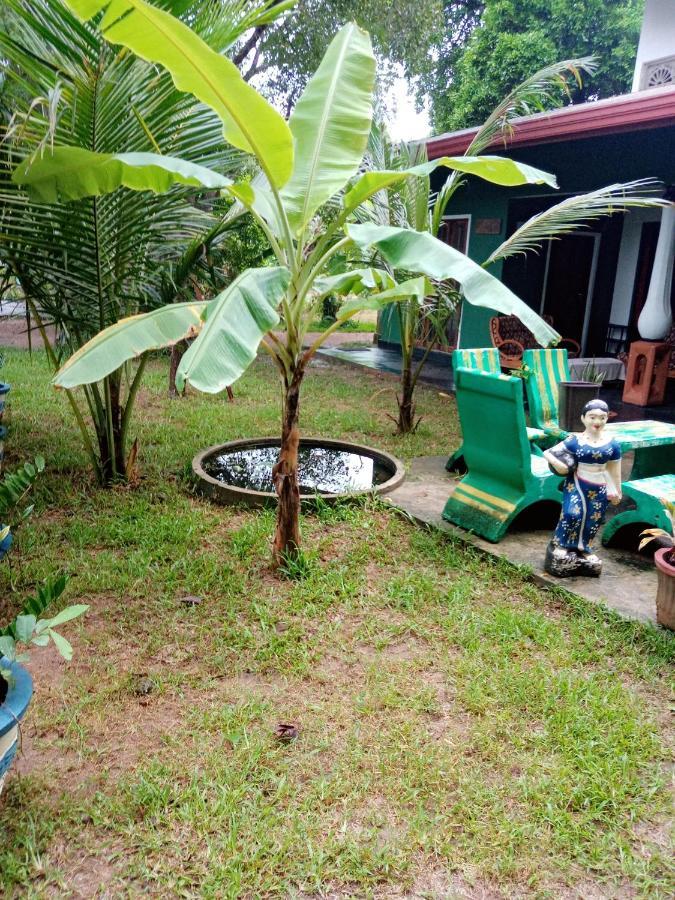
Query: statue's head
(595, 415)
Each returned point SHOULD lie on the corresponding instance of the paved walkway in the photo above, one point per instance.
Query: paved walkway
(627, 584)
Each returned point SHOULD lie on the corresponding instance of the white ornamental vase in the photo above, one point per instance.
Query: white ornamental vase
(656, 317)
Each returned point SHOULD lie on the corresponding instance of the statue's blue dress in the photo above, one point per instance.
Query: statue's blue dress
(584, 498)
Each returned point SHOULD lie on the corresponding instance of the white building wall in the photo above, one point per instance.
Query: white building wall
(657, 38)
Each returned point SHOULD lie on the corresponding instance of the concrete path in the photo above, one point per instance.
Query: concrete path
(627, 584)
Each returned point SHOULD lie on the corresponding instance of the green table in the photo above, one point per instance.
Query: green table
(653, 443)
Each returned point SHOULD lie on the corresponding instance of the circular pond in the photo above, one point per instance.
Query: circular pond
(240, 472)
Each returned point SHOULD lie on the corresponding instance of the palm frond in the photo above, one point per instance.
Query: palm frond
(577, 212)
(543, 90)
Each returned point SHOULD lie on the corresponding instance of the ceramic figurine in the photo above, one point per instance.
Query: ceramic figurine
(592, 466)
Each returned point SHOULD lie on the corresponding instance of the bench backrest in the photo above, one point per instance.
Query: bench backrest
(481, 359)
(547, 369)
(492, 416)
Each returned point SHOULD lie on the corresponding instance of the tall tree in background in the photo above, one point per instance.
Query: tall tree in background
(489, 46)
(281, 56)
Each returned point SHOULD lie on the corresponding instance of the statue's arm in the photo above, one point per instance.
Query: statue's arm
(614, 481)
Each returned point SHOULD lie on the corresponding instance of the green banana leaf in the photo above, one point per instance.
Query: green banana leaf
(353, 282)
(257, 197)
(496, 169)
(70, 173)
(249, 122)
(236, 322)
(412, 289)
(421, 252)
(127, 339)
(330, 124)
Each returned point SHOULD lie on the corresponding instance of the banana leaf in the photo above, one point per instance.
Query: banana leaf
(235, 324)
(70, 173)
(417, 251)
(330, 124)
(495, 169)
(249, 122)
(127, 339)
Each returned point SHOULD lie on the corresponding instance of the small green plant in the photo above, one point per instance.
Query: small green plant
(297, 566)
(523, 372)
(31, 631)
(14, 489)
(660, 534)
(591, 373)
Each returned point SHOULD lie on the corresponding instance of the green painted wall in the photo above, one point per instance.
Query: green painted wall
(579, 166)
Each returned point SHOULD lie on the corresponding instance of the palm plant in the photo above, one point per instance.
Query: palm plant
(87, 265)
(310, 172)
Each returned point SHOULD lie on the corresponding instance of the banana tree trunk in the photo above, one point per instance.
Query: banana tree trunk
(285, 475)
(110, 433)
(406, 406)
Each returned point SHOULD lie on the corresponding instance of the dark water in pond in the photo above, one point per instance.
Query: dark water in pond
(320, 469)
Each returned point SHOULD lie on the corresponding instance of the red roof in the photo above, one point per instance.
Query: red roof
(653, 108)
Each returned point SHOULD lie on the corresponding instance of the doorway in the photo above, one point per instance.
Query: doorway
(569, 278)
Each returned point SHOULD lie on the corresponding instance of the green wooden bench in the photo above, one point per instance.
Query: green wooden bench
(547, 369)
(649, 496)
(480, 359)
(505, 476)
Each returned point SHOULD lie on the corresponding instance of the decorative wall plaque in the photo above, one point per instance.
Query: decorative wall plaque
(488, 226)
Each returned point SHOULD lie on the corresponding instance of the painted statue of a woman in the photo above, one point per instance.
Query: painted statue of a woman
(592, 466)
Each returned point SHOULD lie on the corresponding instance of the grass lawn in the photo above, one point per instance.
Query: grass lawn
(462, 733)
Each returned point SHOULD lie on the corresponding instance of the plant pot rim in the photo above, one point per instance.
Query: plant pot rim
(593, 384)
(662, 564)
(4, 387)
(231, 494)
(18, 696)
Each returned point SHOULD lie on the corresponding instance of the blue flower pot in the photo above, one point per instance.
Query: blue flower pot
(12, 710)
(4, 390)
(5, 543)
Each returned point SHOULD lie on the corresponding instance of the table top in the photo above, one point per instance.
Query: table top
(646, 433)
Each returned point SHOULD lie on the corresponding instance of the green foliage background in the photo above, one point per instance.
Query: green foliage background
(489, 47)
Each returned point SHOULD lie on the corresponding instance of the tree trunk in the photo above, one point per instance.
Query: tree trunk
(110, 438)
(406, 408)
(285, 476)
(177, 352)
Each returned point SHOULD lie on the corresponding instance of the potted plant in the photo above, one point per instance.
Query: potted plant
(574, 395)
(664, 559)
(26, 631)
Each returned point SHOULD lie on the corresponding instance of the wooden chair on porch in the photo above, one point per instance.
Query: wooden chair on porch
(512, 338)
(505, 476)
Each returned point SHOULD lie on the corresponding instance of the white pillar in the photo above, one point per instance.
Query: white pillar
(656, 317)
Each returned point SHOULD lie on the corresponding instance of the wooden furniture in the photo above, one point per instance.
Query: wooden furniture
(647, 373)
(505, 476)
(650, 496)
(512, 338)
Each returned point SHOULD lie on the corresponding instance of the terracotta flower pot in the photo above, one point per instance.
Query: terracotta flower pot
(665, 592)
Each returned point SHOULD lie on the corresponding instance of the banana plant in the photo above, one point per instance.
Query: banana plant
(310, 162)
